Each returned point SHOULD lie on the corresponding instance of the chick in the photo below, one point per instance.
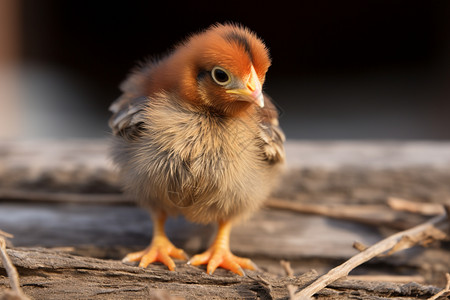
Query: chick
(195, 135)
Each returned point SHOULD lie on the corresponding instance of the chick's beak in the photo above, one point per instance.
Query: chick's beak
(253, 90)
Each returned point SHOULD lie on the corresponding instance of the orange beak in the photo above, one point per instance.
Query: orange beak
(253, 90)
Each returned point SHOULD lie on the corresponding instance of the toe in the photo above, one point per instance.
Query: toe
(148, 258)
(165, 259)
(178, 253)
(245, 263)
(233, 266)
(200, 259)
(214, 262)
(135, 256)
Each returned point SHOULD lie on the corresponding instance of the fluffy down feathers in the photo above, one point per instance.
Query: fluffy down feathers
(180, 149)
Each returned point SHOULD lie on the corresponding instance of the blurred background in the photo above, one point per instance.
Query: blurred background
(341, 69)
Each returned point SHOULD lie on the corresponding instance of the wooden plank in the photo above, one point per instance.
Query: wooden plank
(45, 274)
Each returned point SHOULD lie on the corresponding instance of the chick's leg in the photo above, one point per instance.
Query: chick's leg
(219, 254)
(160, 249)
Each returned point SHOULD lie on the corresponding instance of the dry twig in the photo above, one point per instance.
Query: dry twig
(359, 246)
(5, 234)
(374, 215)
(287, 268)
(446, 290)
(11, 272)
(291, 289)
(387, 278)
(415, 235)
(58, 197)
(428, 209)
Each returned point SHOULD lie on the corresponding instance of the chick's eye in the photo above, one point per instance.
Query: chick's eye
(220, 76)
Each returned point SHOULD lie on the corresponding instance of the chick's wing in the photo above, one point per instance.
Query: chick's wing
(270, 132)
(128, 116)
(128, 109)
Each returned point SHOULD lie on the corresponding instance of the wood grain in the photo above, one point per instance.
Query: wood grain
(50, 274)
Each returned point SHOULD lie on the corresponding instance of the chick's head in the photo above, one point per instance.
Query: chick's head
(223, 67)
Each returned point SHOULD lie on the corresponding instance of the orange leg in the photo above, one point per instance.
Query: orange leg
(219, 254)
(160, 249)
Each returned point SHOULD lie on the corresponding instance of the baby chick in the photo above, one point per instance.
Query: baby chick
(195, 135)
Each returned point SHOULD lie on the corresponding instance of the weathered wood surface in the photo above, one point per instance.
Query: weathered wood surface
(52, 194)
(48, 274)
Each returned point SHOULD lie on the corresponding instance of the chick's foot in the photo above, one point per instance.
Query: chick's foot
(221, 257)
(219, 254)
(161, 249)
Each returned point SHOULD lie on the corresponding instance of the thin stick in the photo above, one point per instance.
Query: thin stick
(291, 289)
(48, 197)
(374, 215)
(10, 269)
(287, 268)
(387, 278)
(416, 234)
(5, 234)
(445, 290)
(428, 209)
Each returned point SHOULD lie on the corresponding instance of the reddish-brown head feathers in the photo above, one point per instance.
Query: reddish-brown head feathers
(188, 69)
(233, 47)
